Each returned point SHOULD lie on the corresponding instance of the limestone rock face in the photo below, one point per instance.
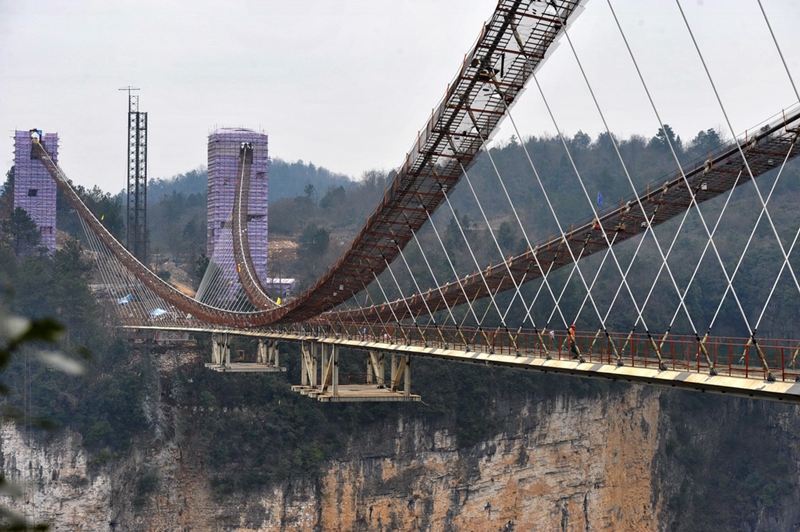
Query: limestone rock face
(570, 465)
(54, 480)
(564, 464)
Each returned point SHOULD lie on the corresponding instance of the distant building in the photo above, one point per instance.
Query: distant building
(223, 163)
(34, 189)
(279, 286)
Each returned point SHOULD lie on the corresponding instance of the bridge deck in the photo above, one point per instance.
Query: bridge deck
(738, 386)
(739, 380)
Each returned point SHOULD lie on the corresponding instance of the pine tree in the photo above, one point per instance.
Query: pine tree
(22, 231)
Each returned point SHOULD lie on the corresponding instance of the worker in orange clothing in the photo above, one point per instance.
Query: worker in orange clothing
(573, 342)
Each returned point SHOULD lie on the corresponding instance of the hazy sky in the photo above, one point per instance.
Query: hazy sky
(346, 85)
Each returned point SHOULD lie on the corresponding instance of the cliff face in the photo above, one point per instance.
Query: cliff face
(565, 465)
(54, 480)
(568, 465)
(634, 459)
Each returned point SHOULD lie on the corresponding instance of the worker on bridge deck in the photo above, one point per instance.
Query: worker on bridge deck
(573, 342)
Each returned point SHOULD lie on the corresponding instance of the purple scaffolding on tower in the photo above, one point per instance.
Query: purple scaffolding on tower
(34, 189)
(223, 163)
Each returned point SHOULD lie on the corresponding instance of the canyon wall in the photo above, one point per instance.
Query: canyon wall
(627, 460)
(567, 464)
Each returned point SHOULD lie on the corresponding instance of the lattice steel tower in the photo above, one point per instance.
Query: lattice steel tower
(137, 178)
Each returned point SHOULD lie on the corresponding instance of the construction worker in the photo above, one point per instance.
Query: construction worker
(573, 342)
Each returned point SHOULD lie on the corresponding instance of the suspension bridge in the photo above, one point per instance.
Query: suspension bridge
(372, 302)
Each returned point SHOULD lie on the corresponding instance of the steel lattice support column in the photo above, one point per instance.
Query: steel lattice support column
(137, 179)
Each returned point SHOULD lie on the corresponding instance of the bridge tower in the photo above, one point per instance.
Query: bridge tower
(223, 163)
(136, 221)
(34, 189)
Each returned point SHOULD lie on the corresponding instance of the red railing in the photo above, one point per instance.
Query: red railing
(729, 356)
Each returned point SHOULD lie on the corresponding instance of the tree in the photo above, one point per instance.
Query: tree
(7, 194)
(605, 142)
(334, 196)
(506, 237)
(200, 265)
(71, 300)
(107, 208)
(314, 242)
(17, 332)
(664, 138)
(194, 237)
(581, 140)
(706, 141)
(8, 186)
(23, 232)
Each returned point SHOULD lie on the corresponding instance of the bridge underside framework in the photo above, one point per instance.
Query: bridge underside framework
(320, 373)
(331, 315)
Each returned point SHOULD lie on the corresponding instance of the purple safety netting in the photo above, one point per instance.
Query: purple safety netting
(34, 189)
(223, 162)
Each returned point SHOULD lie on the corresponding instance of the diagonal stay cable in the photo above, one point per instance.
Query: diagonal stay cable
(117, 285)
(741, 151)
(391, 307)
(752, 339)
(797, 95)
(372, 303)
(424, 299)
(474, 259)
(648, 224)
(416, 285)
(751, 237)
(780, 53)
(432, 274)
(550, 205)
(708, 243)
(368, 323)
(775, 283)
(604, 233)
(452, 266)
(569, 279)
(563, 234)
(489, 227)
(436, 281)
(511, 204)
(681, 302)
(507, 109)
(422, 295)
(693, 201)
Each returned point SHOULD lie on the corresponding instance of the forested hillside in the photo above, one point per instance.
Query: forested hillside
(286, 180)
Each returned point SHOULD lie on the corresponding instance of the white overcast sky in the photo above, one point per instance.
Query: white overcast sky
(346, 85)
